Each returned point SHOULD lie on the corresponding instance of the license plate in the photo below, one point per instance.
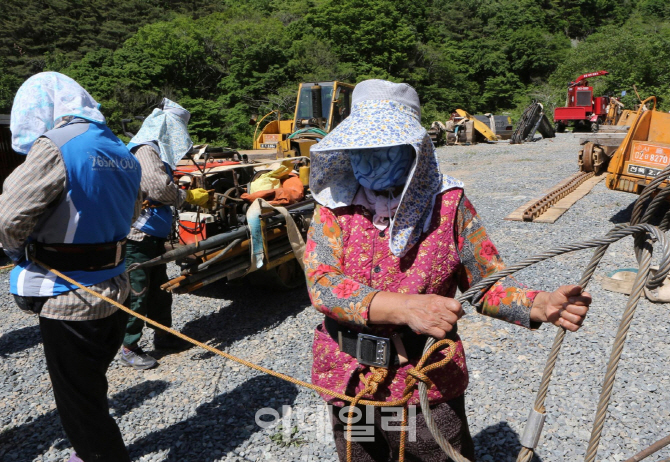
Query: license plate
(643, 171)
(650, 154)
(268, 145)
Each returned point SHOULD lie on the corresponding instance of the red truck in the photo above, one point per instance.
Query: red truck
(582, 109)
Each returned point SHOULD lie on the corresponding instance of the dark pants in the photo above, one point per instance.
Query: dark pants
(146, 296)
(450, 418)
(78, 354)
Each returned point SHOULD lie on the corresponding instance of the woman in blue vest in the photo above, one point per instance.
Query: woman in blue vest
(161, 142)
(70, 206)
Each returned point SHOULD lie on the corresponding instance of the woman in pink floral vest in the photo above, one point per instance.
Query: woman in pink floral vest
(391, 241)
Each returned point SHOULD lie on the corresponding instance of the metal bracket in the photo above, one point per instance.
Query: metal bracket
(382, 353)
(534, 425)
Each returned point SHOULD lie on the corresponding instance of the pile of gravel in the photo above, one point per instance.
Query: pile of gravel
(199, 407)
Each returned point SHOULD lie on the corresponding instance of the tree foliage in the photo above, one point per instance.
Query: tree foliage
(226, 59)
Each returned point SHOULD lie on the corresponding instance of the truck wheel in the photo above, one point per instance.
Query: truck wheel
(559, 127)
(595, 126)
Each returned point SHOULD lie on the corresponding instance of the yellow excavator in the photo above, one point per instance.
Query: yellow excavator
(319, 108)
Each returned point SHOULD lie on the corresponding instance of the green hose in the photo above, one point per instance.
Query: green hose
(318, 131)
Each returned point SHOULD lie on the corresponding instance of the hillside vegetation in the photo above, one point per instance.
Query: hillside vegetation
(226, 59)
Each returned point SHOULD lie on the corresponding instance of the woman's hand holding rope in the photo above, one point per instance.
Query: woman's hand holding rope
(427, 314)
(565, 307)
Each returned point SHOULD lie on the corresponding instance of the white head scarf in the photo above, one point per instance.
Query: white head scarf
(41, 101)
(166, 127)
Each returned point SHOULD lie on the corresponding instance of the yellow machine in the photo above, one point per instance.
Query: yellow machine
(319, 108)
(479, 126)
(643, 153)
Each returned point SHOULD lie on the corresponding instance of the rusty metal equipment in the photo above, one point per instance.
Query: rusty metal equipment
(532, 120)
(644, 152)
(500, 125)
(214, 244)
(594, 157)
(600, 147)
(557, 193)
(438, 133)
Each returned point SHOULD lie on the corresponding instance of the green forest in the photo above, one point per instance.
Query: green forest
(226, 59)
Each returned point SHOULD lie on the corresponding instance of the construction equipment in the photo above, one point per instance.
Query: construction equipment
(644, 152)
(219, 241)
(463, 128)
(232, 238)
(481, 127)
(581, 108)
(614, 111)
(500, 125)
(319, 108)
(532, 120)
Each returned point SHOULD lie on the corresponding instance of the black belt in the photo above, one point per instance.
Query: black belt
(78, 257)
(377, 351)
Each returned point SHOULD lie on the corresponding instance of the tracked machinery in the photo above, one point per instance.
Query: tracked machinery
(532, 120)
(319, 108)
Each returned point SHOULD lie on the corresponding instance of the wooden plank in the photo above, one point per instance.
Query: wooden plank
(609, 139)
(613, 128)
(558, 209)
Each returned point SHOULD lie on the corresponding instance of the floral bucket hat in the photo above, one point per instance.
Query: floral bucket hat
(383, 114)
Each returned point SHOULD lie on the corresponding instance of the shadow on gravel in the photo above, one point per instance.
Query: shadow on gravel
(19, 340)
(251, 309)
(220, 425)
(30, 440)
(498, 443)
(624, 215)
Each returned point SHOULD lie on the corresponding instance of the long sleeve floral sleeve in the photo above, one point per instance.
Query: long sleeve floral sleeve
(508, 299)
(331, 292)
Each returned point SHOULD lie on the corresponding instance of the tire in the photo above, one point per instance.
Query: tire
(559, 127)
(595, 126)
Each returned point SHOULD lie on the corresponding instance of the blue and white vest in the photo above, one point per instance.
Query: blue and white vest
(96, 207)
(154, 221)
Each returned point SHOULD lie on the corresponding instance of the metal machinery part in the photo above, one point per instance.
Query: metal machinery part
(437, 133)
(532, 120)
(595, 158)
(556, 194)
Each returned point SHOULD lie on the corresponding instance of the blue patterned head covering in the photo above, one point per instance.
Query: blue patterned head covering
(383, 114)
(166, 127)
(41, 101)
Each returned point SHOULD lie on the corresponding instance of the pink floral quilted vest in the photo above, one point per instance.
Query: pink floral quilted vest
(428, 268)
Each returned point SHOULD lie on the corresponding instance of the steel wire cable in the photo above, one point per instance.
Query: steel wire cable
(475, 293)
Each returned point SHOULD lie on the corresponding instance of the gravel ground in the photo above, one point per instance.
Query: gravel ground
(200, 407)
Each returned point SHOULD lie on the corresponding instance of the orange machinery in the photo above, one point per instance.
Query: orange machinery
(644, 152)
